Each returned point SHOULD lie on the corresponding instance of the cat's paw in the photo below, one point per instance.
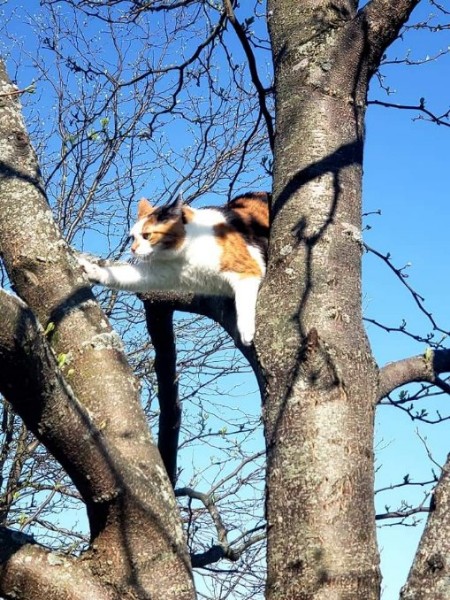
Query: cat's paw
(247, 334)
(94, 272)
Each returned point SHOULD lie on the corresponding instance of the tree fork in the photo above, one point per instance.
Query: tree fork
(133, 519)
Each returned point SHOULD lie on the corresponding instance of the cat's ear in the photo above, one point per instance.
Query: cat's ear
(144, 208)
(175, 206)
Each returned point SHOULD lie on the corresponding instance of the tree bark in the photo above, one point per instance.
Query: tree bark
(415, 368)
(29, 573)
(429, 577)
(321, 379)
(138, 547)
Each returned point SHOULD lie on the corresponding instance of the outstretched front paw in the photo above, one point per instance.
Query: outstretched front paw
(94, 272)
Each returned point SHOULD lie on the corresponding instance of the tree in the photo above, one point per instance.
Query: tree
(319, 381)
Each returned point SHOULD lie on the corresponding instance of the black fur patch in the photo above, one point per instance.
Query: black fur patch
(166, 213)
(255, 233)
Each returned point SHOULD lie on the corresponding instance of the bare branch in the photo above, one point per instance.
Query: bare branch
(14, 473)
(438, 120)
(93, 9)
(262, 93)
(401, 514)
(159, 318)
(217, 552)
(406, 483)
(399, 272)
(426, 339)
(224, 549)
(425, 367)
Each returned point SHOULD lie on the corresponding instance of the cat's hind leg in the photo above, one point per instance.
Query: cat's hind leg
(246, 294)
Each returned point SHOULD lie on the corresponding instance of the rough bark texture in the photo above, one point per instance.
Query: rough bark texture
(321, 379)
(318, 377)
(429, 578)
(137, 542)
(29, 573)
(415, 368)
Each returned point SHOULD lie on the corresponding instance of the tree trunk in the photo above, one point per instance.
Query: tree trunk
(429, 578)
(321, 379)
(138, 549)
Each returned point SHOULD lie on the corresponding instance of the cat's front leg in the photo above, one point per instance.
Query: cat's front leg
(117, 276)
(246, 294)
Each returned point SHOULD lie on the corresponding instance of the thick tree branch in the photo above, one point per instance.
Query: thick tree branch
(218, 308)
(429, 577)
(47, 404)
(383, 20)
(28, 571)
(159, 318)
(425, 367)
(132, 510)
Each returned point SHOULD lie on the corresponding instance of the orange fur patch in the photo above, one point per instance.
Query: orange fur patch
(188, 214)
(144, 208)
(169, 233)
(235, 255)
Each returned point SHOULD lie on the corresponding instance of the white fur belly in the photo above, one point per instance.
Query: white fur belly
(181, 275)
(201, 271)
(202, 281)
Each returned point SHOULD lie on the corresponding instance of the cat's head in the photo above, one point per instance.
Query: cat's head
(158, 229)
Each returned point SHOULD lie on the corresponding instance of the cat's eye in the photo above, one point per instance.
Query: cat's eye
(147, 236)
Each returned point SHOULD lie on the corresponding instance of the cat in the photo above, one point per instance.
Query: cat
(214, 251)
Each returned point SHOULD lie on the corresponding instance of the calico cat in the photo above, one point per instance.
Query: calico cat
(218, 251)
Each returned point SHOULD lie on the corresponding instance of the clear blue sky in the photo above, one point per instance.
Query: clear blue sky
(407, 177)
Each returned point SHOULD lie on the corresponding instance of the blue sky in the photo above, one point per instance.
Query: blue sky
(407, 177)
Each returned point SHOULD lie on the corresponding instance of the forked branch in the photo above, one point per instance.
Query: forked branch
(383, 21)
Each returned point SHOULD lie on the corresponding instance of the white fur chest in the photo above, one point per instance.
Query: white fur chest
(203, 254)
